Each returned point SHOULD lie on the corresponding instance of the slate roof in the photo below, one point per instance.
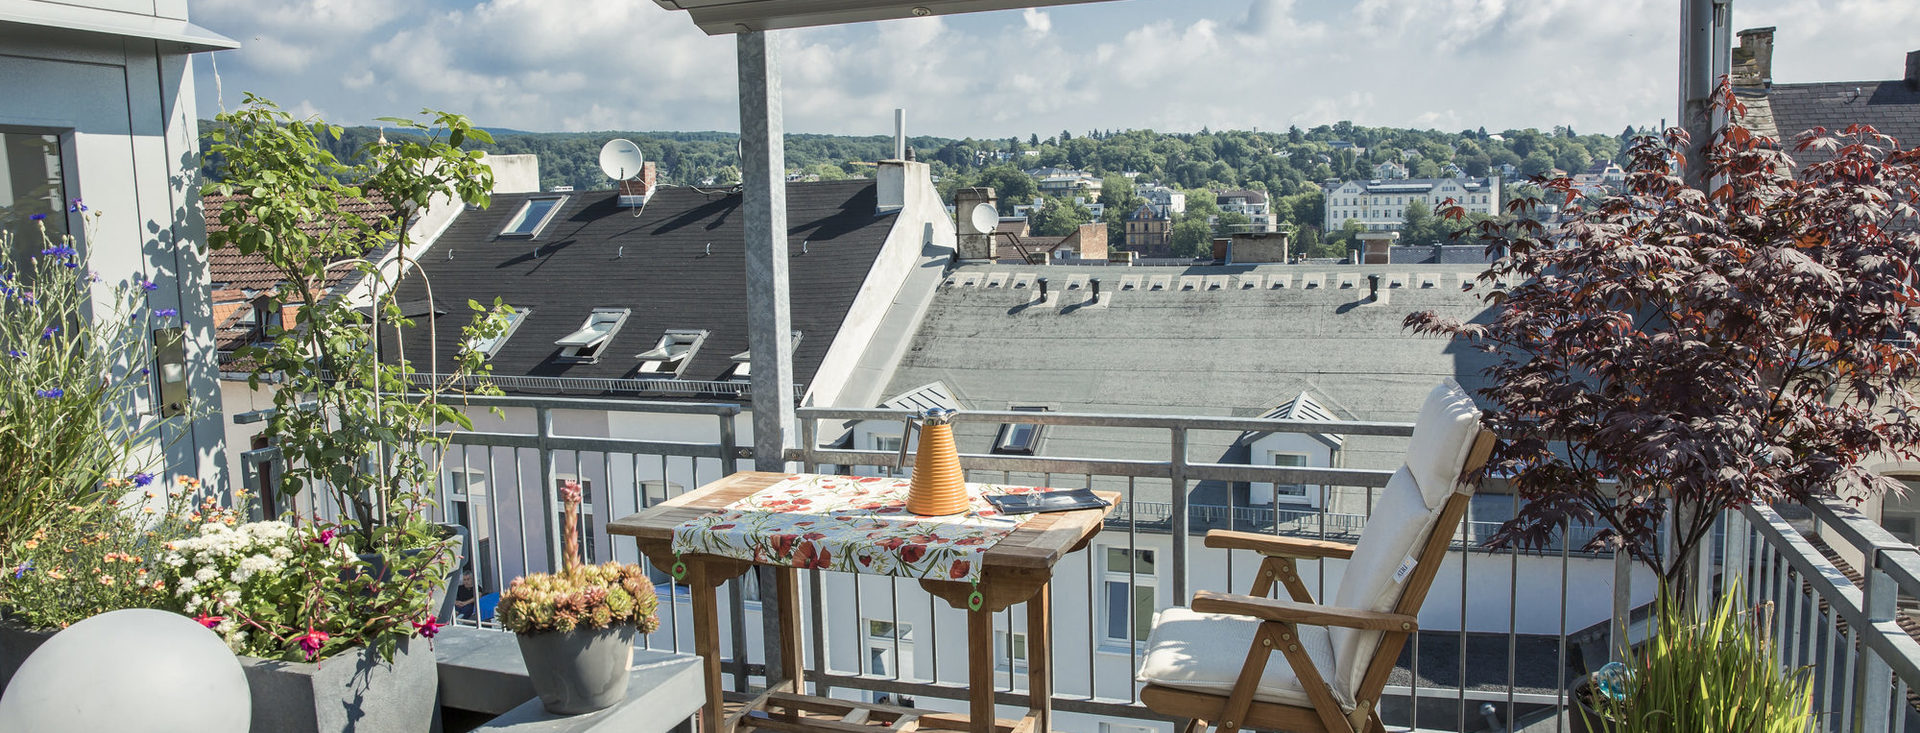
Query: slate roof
(1443, 254)
(1252, 197)
(1229, 352)
(1889, 106)
(679, 263)
(227, 268)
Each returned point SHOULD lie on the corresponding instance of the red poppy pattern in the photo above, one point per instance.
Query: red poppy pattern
(852, 524)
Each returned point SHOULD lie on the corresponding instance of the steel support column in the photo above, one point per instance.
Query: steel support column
(763, 169)
(1706, 36)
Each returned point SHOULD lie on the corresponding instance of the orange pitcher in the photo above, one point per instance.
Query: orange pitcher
(939, 487)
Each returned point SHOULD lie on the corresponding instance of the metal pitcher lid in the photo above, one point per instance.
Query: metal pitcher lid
(937, 416)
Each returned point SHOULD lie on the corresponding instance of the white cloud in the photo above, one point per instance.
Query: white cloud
(1166, 64)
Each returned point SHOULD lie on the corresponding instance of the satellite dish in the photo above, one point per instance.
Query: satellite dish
(984, 217)
(621, 159)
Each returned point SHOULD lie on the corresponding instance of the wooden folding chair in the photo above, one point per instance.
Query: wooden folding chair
(1210, 663)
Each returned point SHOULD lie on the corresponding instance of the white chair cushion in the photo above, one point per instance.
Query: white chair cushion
(1442, 437)
(1203, 652)
(1395, 534)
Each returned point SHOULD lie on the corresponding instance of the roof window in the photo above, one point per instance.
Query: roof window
(489, 346)
(532, 217)
(676, 348)
(1020, 438)
(587, 343)
(743, 361)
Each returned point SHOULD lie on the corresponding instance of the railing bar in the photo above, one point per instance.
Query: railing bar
(893, 596)
(606, 495)
(1109, 420)
(1833, 652)
(1513, 618)
(1462, 679)
(933, 629)
(817, 626)
(1798, 618)
(1560, 666)
(859, 628)
(1133, 544)
(1846, 675)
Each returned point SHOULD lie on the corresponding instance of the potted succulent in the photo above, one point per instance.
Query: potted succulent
(1712, 671)
(359, 429)
(577, 627)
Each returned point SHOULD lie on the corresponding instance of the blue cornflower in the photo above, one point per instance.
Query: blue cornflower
(149, 285)
(22, 570)
(51, 330)
(60, 251)
(142, 479)
(54, 393)
(16, 353)
(38, 217)
(76, 206)
(165, 313)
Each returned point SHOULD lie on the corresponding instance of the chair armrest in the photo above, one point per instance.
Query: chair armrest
(1276, 545)
(1271, 609)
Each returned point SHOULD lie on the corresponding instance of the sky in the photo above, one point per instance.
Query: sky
(1168, 65)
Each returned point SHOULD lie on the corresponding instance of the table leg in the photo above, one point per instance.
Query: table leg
(980, 671)
(706, 642)
(787, 584)
(1040, 658)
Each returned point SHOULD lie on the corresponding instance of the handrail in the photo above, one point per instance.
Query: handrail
(1111, 420)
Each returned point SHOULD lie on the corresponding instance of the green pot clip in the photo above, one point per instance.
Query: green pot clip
(974, 599)
(679, 569)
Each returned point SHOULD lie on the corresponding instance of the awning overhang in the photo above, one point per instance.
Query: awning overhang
(722, 17)
(194, 38)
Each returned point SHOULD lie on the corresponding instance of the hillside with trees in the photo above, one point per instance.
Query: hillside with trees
(1286, 165)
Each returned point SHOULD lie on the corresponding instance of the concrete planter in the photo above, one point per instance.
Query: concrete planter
(443, 595)
(1581, 717)
(579, 671)
(353, 692)
(16, 643)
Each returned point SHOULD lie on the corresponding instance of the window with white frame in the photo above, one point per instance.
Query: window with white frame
(1020, 438)
(1289, 493)
(33, 191)
(671, 354)
(887, 643)
(490, 345)
(532, 217)
(1010, 650)
(1131, 595)
(887, 442)
(590, 340)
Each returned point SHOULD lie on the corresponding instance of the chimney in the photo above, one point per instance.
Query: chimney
(1753, 59)
(1093, 241)
(899, 134)
(892, 180)
(635, 191)
(1043, 290)
(1095, 283)
(1913, 71)
(975, 243)
(1373, 287)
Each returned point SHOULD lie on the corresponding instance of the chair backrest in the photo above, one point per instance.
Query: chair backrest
(1391, 549)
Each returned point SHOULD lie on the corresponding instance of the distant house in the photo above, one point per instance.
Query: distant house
(1381, 204)
(1149, 231)
(1166, 201)
(1389, 170)
(1251, 204)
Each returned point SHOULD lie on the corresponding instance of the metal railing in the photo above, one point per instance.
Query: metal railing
(1839, 619)
(1504, 633)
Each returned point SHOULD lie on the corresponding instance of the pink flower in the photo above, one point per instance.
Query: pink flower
(208, 620)
(311, 642)
(570, 491)
(428, 626)
(326, 537)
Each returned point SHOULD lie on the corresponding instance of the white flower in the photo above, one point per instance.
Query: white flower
(205, 574)
(231, 597)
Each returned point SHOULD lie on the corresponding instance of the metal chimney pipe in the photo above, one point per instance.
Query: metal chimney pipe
(1373, 287)
(1095, 282)
(1043, 290)
(899, 133)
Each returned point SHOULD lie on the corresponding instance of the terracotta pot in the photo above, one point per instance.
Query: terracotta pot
(939, 487)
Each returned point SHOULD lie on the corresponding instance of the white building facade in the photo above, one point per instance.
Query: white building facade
(1381, 204)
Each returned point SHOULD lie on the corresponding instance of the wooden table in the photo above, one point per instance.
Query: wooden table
(1015, 569)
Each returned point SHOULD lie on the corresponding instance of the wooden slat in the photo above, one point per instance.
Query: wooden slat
(1202, 706)
(1267, 544)
(1274, 609)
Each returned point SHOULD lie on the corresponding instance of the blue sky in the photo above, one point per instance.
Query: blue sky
(1171, 65)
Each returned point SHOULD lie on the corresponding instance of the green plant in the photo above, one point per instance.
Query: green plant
(579, 596)
(75, 351)
(1716, 673)
(109, 560)
(359, 427)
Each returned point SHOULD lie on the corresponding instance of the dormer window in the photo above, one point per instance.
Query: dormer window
(591, 340)
(532, 217)
(487, 347)
(1020, 438)
(743, 361)
(675, 349)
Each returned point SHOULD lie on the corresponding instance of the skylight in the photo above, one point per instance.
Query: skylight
(672, 353)
(487, 347)
(532, 217)
(594, 335)
(743, 361)
(1018, 437)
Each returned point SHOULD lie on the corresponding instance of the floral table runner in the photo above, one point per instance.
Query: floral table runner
(852, 524)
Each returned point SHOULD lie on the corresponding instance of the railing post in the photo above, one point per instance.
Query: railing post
(1873, 689)
(549, 517)
(1177, 472)
(1620, 646)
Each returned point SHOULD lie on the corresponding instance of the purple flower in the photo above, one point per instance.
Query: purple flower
(22, 570)
(76, 206)
(54, 393)
(38, 217)
(149, 285)
(16, 353)
(60, 251)
(51, 330)
(142, 479)
(165, 313)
